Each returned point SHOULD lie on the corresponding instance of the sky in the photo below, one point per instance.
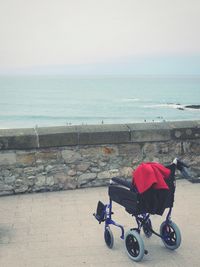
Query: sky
(100, 36)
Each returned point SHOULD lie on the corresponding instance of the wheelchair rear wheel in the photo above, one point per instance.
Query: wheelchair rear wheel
(171, 235)
(134, 245)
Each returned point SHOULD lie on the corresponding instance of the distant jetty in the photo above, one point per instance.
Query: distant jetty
(193, 106)
(183, 107)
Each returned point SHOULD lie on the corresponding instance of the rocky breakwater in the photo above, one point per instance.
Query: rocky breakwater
(60, 158)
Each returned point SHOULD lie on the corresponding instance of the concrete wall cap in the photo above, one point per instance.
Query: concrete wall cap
(27, 138)
(16, 132)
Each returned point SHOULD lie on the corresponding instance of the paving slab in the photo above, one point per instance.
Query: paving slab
(58, 230)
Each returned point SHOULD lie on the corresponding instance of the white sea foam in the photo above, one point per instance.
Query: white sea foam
(176, 106)
(130, 99)
(173, 106)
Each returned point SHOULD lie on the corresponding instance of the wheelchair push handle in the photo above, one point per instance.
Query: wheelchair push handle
(182, 167)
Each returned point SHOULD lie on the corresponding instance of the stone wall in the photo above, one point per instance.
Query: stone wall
(70, 157)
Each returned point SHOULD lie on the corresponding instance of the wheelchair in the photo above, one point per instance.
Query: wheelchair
(141, 207)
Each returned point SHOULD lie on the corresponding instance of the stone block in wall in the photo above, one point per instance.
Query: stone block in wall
(149, 149)
(103, 175)
(126, 172)
(10, 179)
(5, 172)
(86, 178)
(103, 134)
(49, 168)
(109, 151)
(60, 177)
(90, 152)
(5, 189)
(175, 148)
(25, 158)
(65, 181)
(131, 149)
(195, 147)
(40, 182)
(70, 183)
(99, 155)
(47, 155)
(108, 174)
(17, 139)
(149, 132)
(71, 172)
(50, 181)
(192, 160)
(83, 166)
(70, 156)
(95, 169)
(187, 147)
(57, 136)
(160, 149)
(57, 168)
(29, 171)
(7, 158)
(191, 147)
(31, 180)
(21, 189)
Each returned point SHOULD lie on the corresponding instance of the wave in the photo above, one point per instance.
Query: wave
(130, 99)
(164, 106)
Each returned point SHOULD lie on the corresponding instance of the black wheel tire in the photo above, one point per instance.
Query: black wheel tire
(171, 235)
(134, 245)
(108, 237)
(146, 228)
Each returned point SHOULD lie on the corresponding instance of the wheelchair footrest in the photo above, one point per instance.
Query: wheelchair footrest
(100, 212)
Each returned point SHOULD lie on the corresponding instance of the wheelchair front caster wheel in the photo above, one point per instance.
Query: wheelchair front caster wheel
(108, 237)
(147, 227)
(171, 235)
(134, 245)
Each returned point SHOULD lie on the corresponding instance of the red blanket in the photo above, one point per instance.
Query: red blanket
(150, 174)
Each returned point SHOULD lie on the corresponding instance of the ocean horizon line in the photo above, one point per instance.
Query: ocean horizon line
(182, 76)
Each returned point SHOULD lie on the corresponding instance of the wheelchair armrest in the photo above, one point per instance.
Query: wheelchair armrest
(122, 181)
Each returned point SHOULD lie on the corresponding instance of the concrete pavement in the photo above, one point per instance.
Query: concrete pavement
(58, 230)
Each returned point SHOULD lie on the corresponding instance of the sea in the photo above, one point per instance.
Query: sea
(40, 101)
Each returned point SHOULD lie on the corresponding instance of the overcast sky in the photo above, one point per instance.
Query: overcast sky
(37, 34)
